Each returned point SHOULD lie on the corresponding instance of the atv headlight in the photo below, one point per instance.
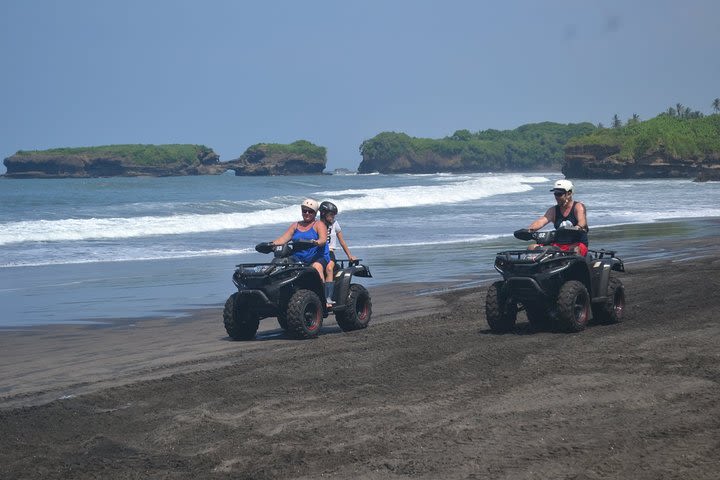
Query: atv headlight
(502, 265)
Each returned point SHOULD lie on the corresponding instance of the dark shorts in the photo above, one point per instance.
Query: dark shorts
(321, 260)
(332, 256)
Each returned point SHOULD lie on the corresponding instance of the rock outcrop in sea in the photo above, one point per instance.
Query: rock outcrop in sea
(115, 161)
(297, 158)
(670, 145)
(603, 161)
(708, 174)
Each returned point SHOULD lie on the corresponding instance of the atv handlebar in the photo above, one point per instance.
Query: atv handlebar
(561, 235)
(265, 247)
(284, 250)
(294, 246)
(522, 234)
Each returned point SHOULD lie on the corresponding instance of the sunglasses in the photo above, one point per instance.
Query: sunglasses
(307, 211)
(559, 194)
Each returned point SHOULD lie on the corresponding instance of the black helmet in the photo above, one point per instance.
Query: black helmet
(327, 207)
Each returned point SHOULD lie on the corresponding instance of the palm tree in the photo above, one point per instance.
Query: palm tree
(716, 105)
(616, 122)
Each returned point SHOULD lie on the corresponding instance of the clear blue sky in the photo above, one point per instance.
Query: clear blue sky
(229, 74)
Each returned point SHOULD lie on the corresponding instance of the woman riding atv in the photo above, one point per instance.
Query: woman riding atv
(308, 230)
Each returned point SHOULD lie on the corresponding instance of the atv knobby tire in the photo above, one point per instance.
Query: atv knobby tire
(612, 309)
(241, 322)
(358, 310)
(573, 306)
(500, 310)
(304, 314)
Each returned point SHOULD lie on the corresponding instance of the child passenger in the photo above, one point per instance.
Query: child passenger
(328, 211)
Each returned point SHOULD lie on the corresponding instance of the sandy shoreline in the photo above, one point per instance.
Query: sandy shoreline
(49, 362)
(425, 392)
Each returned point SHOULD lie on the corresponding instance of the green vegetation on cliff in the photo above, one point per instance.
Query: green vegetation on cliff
(146, 155)
(531, 146)
(678, 136)
(300, 147)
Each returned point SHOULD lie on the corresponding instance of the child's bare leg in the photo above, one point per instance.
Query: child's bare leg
(329, 282)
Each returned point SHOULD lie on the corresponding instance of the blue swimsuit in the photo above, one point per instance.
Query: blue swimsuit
(311, 254)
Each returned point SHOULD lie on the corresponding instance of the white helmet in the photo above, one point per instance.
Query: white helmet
(563, 185)
(311, 204)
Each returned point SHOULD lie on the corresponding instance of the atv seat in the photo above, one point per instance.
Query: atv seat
(551, 248)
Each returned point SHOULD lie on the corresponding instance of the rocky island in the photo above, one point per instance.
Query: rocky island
(297, 158)
(670, 145)
(114, 160)
(667, 146)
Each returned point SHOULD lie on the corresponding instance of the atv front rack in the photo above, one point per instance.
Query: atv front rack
(533, 256)
(527, 256)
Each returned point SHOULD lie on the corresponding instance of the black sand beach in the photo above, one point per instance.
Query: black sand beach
(425, 392)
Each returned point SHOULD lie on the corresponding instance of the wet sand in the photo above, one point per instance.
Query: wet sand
(45, 363)
(425, 392)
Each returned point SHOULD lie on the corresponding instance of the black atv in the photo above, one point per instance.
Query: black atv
(557, 289)
(293, 292)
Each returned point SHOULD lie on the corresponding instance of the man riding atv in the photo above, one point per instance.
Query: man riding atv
(557, 280)
(558, 289)
(567, 213)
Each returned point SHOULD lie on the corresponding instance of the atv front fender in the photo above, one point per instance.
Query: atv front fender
(257, 301)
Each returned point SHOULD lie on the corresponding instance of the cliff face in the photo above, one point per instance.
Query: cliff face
(84, 164)
(425, 162)
(601, 161)
(266, 160)
(298, 158)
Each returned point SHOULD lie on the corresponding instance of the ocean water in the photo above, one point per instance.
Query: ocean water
(88, 250)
